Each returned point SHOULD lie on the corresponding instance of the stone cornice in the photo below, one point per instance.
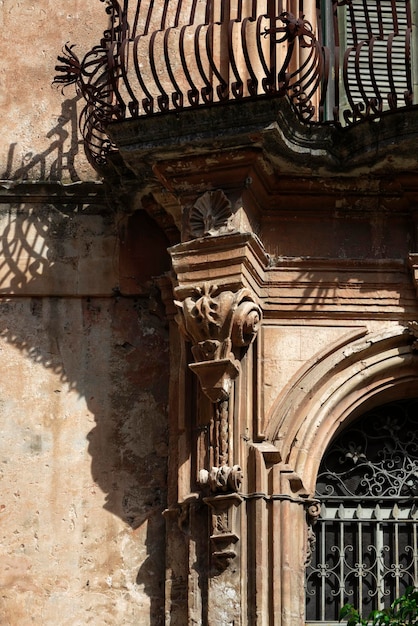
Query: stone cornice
(231, 261)
(358, 289)
(302, 287)
(307, 149)
(88, 192)
(266, 161)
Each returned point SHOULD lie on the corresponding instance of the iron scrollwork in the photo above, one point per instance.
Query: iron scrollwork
(130, 73)
(377, 458)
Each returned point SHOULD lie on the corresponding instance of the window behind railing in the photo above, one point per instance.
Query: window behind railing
(366, 549)
(371, 60)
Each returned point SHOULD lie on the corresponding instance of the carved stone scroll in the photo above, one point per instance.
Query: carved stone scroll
(313, 512)
(217, 322)
(221, 479)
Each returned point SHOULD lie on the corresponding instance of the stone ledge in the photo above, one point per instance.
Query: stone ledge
(38, 192)
(314, 149)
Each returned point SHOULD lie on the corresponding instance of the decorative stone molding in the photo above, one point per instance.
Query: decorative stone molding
(292, 483)
(413, 264)
(216, 377)
(217, 283)
(183, 520)
(224, 533)
(231, 261)
(181, 512)
(210, 214)
(217, 322)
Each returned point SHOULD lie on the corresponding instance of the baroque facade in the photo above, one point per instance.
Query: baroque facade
(232, 306)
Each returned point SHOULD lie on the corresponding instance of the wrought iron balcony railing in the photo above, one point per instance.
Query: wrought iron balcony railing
(343, 61)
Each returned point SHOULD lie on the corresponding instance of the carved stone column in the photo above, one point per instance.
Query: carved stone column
(219, 318)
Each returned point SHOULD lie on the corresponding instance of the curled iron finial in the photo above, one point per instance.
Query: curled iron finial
(70, 71)
(294, 28)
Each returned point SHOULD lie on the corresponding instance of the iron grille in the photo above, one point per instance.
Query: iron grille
(366, 550)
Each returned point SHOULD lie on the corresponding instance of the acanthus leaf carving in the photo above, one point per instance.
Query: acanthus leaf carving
(217, 322)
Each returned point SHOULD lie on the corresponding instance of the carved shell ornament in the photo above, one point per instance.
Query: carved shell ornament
(210, 214)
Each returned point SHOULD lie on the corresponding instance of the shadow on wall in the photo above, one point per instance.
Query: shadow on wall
(58, 161)
(112, 350)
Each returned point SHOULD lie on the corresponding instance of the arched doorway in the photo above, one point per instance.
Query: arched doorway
(366, 549)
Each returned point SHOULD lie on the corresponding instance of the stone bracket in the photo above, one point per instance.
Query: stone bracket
(216, 377)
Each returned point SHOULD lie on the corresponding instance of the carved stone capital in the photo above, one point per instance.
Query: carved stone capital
(217, 322)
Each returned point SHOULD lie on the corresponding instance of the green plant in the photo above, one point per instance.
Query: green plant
(402, 612)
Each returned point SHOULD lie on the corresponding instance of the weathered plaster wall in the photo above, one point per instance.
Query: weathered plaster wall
(39, 138)
(83, 368)
(84, 365)
(83, 426)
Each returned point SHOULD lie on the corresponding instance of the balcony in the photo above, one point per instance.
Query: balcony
(343, 62)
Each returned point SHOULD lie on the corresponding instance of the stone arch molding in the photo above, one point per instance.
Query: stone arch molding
(334, 389)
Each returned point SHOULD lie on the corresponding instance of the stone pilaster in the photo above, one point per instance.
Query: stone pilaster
(217, 287)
